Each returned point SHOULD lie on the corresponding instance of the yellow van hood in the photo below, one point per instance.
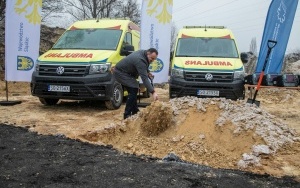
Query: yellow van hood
(75, 56)
(208, 63)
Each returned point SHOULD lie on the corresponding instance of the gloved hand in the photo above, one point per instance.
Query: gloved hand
(155, 96)
(150, 76)
(112, 69)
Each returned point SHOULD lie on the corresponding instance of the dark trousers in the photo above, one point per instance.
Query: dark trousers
(131, 103)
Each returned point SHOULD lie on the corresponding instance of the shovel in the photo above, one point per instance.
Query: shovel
(143, 105)
(271, 44)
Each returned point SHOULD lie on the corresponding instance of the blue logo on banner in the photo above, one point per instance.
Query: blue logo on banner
(278, 26)
(156, 66)
(25, 63)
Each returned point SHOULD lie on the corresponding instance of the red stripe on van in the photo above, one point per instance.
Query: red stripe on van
(73, 28)
(132, 26)
(115, 27)
(185, 36)
(226, 37)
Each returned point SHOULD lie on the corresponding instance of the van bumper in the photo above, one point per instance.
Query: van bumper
(90, 87)
(180, 87)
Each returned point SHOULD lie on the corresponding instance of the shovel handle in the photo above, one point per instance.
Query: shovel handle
(271, 44)
(260, 80)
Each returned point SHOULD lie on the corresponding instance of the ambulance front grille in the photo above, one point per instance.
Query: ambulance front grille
(68, 70)
(201, 76)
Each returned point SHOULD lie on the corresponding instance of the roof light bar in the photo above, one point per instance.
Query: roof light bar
(215, 27)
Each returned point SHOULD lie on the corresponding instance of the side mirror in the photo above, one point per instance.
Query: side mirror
(171, 55)
(126, 50)
(244, 57)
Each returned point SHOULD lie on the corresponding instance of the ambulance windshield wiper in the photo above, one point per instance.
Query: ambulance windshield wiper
(186, 56)
(76, 49)
(57, 48)
(67, 48)
(213, 56)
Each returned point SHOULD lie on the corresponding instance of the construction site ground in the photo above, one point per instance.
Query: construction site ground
(184, 142)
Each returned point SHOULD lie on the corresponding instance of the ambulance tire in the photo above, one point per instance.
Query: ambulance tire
(48, 101)
(117, 97)
(170, 94)
(243, 96)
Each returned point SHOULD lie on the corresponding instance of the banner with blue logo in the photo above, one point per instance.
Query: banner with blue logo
(22, 38)
(156, 20)
(278, 26)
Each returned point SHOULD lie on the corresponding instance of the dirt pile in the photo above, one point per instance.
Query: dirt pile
(214, 132)
(155, 119)
(292, 64)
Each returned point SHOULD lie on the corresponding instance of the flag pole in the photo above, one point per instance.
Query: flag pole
(7, 102)
(6, 90)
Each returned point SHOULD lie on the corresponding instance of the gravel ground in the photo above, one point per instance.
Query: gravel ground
(31, 160)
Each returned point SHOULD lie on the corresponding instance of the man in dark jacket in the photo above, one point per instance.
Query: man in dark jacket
(127, 71)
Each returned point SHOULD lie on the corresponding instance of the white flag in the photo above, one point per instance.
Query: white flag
(156, 33)
(22, 38)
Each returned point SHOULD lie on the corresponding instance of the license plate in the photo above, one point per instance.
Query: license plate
(208, 92)
(59, 88)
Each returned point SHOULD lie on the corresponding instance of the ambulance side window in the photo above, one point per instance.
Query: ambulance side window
(128, 39)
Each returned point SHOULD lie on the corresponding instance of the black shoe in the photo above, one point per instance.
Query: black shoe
(135, 112)
(126, 116)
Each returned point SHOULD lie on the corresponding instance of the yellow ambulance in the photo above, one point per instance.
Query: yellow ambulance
(78, 66)
(206, 63)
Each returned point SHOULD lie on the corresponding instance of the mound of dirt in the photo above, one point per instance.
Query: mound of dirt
(214, 132)
(155, 119)
(292, 67)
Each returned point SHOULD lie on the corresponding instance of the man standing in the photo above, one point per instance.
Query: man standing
(127, 71)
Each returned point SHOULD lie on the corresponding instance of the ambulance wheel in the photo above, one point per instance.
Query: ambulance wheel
(243, 95)
(117, 97)
(48, 101)
(170, 94)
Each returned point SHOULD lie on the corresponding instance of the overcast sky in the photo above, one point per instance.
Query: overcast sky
(246, 18)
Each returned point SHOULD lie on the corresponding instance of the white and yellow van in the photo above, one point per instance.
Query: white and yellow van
(206, 63)
(78, 65)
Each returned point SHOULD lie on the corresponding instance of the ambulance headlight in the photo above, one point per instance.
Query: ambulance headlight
(99, 68)
(239, 75)
(37, 67)
(177, 73)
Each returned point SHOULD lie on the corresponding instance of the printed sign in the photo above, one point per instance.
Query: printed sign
(22, 38)
(278, 26)
(156, 33)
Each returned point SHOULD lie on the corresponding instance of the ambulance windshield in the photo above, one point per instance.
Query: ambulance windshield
(90, 39)
(206, 47)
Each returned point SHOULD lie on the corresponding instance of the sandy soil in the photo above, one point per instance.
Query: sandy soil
(216, 133)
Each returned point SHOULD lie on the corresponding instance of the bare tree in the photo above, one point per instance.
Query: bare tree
(51, 9)
(83, 9)
(174, 32)
(2, 9)
(128, 9)
(253, 46)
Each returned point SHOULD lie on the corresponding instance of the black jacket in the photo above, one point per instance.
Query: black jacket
(129, 68)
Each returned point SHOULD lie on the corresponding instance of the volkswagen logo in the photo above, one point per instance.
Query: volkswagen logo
(209, 77)
(60, 70)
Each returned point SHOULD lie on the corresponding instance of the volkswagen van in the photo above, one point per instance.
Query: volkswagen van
(206, 63)
(78, 66)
